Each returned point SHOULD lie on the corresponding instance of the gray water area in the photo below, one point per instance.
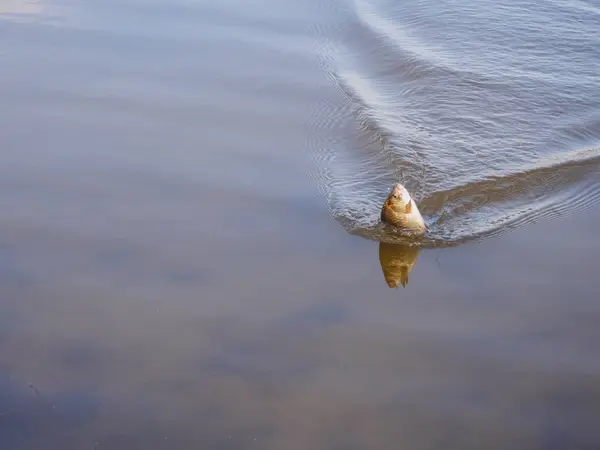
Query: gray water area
(187, 250)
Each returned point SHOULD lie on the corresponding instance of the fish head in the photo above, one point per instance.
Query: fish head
(399, 195)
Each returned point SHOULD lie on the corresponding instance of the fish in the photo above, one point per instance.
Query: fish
(397, 260)
(400, 211)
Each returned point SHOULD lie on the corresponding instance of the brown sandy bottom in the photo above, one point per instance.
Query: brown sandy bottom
(288, 337)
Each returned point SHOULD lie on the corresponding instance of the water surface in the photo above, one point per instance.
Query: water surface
(190, 255)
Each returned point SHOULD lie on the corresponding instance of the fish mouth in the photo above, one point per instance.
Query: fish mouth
(400, 193)
(397, 190)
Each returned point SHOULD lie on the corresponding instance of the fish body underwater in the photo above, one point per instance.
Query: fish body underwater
(397, 260)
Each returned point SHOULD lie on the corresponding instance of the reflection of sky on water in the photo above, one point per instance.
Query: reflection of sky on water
(10, 7)
(274, 352)
(16, 13)
(166, 281)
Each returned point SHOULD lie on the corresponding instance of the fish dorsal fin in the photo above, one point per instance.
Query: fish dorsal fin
(408, 207)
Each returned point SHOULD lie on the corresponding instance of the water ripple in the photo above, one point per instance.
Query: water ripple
(487, 141)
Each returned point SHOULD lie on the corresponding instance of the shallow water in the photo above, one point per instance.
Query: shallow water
(190, 254)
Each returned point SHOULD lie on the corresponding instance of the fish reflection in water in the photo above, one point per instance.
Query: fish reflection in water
(397, 260)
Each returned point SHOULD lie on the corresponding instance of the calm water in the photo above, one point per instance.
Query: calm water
(190, 252)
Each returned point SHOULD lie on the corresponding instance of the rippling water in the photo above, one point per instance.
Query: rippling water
(184, 191)
(488, 112)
